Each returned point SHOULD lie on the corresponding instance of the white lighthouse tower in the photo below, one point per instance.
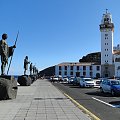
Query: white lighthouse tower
(107, 29)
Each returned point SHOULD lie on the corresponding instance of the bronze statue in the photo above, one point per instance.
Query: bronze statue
(26, 62)
(5, 52)
(31, 67)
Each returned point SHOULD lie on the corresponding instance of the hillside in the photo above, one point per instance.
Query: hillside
(50, 71)
(92, 57)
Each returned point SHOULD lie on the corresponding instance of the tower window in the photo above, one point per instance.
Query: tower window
(107, 19)
(106, 34)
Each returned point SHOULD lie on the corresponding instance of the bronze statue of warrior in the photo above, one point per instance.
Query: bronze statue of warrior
(26, 62)
(31, 67)
(5, 52)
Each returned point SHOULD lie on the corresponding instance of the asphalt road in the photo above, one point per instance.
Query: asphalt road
(104, 106)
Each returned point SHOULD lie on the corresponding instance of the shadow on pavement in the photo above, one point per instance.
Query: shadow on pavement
(98, 93)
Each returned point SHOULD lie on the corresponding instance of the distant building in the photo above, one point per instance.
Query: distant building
(68, 69)
(117, 63)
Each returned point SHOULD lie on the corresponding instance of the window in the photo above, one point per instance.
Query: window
(60, 73)
(97, 68)
(91, 74)
(71, 73)
(59, 67)
(84, 67)
(65, 73)
(77, 67)
(71, 67)
(90, 67)
(65, 67)
(84, 73)
(107, 19)
(106, 34)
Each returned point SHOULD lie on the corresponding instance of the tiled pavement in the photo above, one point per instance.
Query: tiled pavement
(40, 101)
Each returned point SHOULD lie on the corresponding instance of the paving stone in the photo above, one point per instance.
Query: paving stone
(40, 101)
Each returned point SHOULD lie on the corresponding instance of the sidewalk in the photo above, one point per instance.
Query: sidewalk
(40, 101)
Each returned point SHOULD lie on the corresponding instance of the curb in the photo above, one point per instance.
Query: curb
(83, 108)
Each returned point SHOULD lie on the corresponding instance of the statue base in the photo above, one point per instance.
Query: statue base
(8, 87)
(33, 78)
(24, 80)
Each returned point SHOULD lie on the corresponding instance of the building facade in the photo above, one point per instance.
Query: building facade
(77, 69)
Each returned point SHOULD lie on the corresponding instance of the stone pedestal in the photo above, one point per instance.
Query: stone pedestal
(24, 80)
(8, 87)
(33, 78)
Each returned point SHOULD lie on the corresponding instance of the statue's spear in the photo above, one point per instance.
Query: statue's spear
(12, 54)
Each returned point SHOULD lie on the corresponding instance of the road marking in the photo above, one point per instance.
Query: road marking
(82, 108)
(103, 102)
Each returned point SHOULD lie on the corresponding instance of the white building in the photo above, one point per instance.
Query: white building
(110, 59)
(78, 69)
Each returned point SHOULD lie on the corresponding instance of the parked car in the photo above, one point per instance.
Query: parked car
(65, 79)
(110, 86)
(70, 80)
(87, 82)
(76, 81)
(97, 83)
(54, 79)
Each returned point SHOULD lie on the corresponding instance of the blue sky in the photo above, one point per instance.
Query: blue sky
(54, 31)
